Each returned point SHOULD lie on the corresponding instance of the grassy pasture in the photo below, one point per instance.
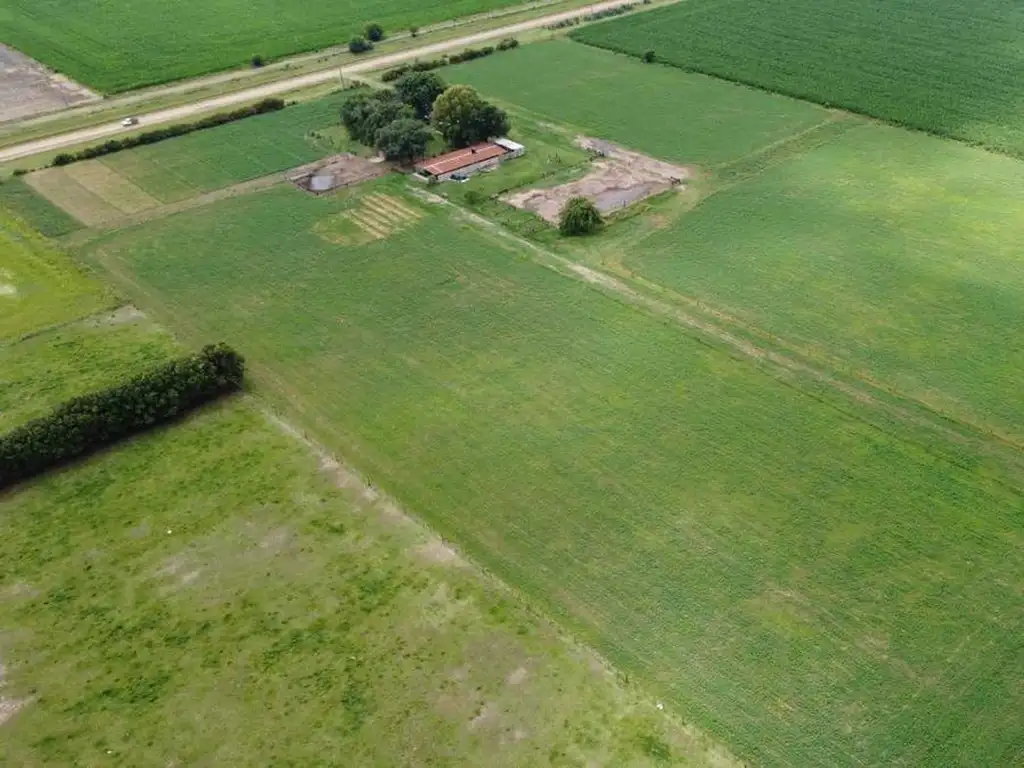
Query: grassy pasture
(889, 253)
(38, 285)
(684, 117)
(943, 66)
(814, 589)
(119, 46)
(214, 593)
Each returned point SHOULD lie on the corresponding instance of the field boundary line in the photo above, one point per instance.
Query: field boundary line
(708, 332)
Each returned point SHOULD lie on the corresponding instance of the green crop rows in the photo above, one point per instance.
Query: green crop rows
(689, 118)
(218, 157)
(118, 46)
(812, 588)
(943, 66)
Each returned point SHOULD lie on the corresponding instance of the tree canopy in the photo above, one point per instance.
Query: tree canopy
(404, 140)
(420, 90)
(463, 118)
(367, 112)
(579, 217)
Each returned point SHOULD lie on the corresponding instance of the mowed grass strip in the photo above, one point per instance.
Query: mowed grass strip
(203, 161)
(942, 66)
(888, 253)
(215, 593)
(117, 47)
(39, 285)
(808, 587)
(674, 115)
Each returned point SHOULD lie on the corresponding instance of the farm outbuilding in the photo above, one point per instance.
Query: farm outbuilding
(465, 162)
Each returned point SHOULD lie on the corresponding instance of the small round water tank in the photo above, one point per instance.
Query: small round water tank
(321, 183)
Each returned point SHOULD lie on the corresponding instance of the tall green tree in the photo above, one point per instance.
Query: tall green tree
(404, 140)
(463, 118)
(367, 112)
(579, 217)
(420, 90)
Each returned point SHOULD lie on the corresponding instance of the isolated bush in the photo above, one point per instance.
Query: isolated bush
(20, 171)
(508, 44)
(257, 61)
(404, 140)
(160, 134)
(420, 90)
(648, 57)
(84, 424)
(374, 33)
(414, 31)
(463, 118)
(359, 45)
(366, 113)
(579, 217)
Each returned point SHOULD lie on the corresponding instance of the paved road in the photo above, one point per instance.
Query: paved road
(178, 114)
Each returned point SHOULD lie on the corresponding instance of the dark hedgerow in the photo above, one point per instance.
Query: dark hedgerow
(85, 424)
(160, 134)
(469, 54)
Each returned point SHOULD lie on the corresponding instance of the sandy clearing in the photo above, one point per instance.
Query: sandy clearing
(31, 89)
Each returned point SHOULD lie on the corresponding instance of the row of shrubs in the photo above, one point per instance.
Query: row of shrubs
(456, 58)
(160, 134)
(595, 16)
(85, 424)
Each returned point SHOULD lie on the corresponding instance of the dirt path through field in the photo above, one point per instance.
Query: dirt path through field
(865, 393)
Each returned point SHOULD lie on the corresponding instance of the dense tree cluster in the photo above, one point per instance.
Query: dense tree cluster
(84, 424)
(463, 118)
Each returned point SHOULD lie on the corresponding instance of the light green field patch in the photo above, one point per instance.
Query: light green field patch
(891, 254)
(671, 503)
(39, 286)
(19, 199)
(215, 592)
(674, 115)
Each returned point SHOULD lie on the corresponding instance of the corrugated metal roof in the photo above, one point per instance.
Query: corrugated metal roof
(461, 158)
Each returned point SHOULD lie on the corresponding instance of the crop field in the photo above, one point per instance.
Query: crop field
(942, 66)
(664, 112)
(228, 154)
(841, 596)
(119, 46)
(32, 272)
(216, 592)
(894, 254)
(17, 198)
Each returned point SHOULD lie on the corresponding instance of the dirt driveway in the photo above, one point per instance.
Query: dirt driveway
(618, 178)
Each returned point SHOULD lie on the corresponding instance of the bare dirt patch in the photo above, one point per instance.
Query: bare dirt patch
(8, 707)
(120, 316)
(335, 172)
(29, 88)
(618, 178)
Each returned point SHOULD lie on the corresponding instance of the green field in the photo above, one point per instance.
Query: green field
(218, 157)
(217, 593)
(38, 286)
(17, 198)
(810, 587)
(117, 46)
(889, 253)
(943, 66)
(670, 114)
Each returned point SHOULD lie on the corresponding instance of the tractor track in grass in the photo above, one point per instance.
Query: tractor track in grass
(711, 327)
